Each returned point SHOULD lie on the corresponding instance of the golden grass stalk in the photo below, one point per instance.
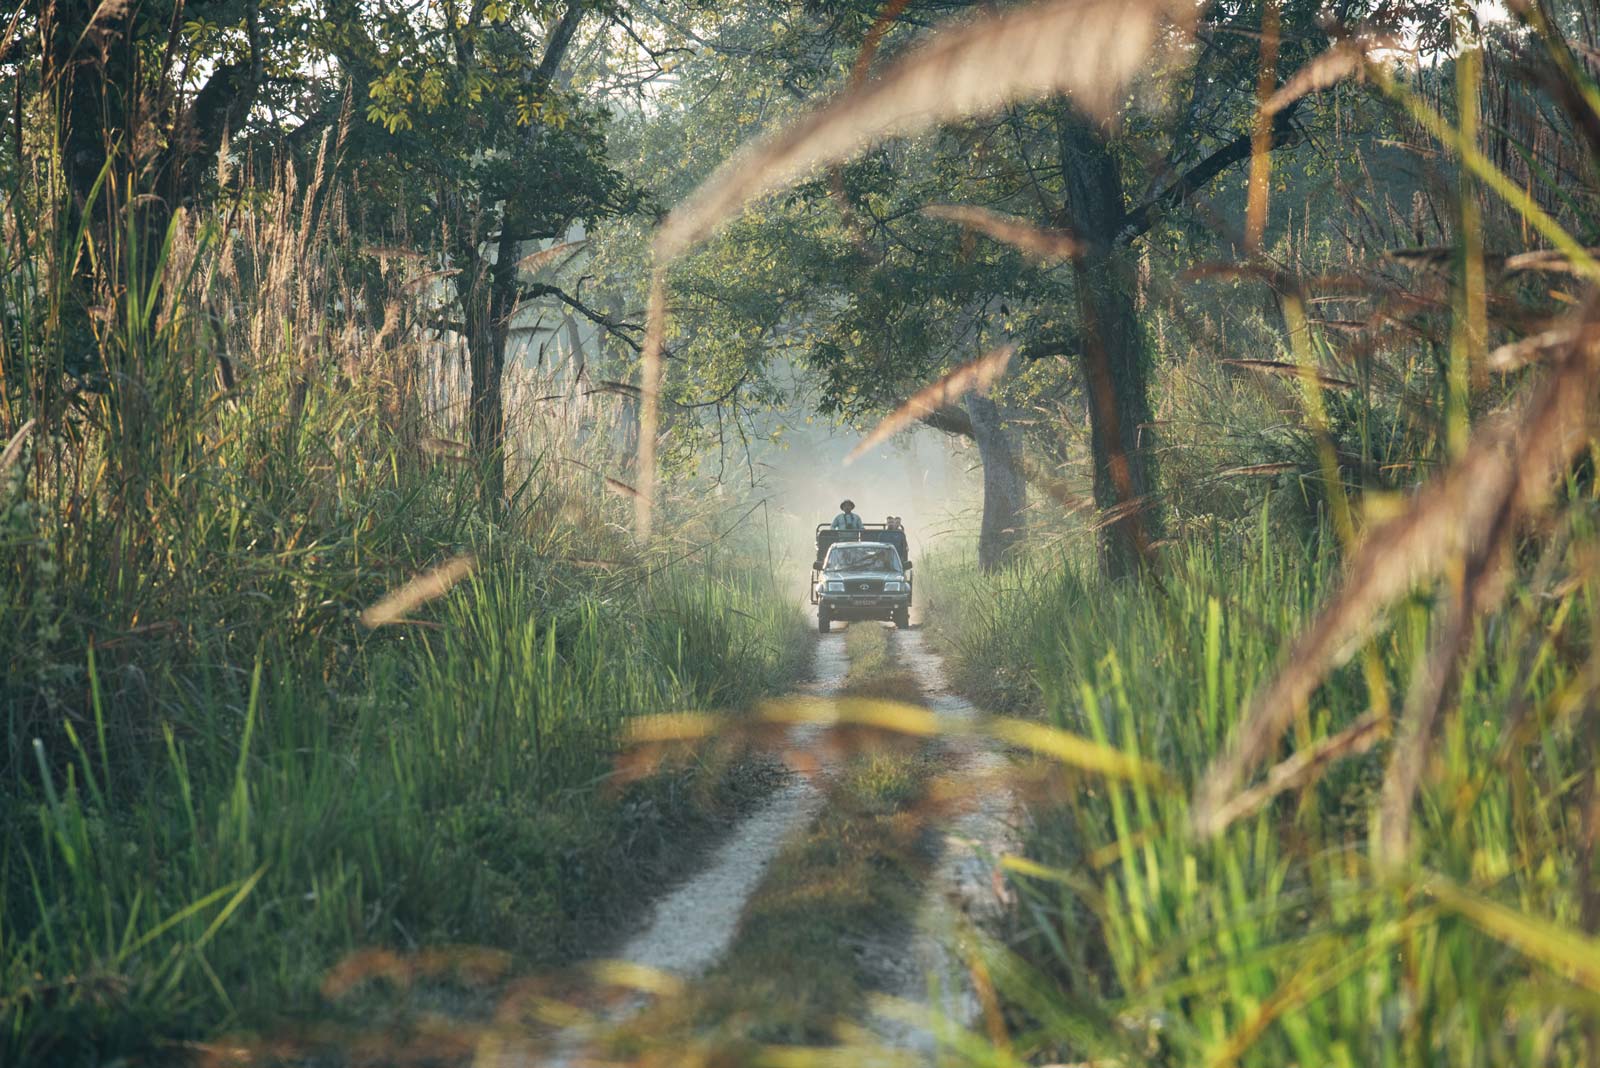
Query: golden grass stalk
(1260, 184)
(1289, 370)
(396, 252)
(13, 449)
(650, 405)
(1302, 767)
(869, 44)
(1433, 683)
(1075, 750)
(1568, 952)
(1259, 470)
(976, 376)
(671, 727)
(428, 586)
(1515, 355)
(1509, 464)
(445, 448)
(1345, 59)
(105, 11)
(1545, 259)
(1057, 489)
(422, 281)
(1121, 511)
(1039, 244)
(11, 29)
(636, 977)
(623, 389)
(1086, 48)
(883, 714)
(536, 260)
(621, 488)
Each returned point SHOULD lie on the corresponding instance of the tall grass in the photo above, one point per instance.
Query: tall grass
(1280, 941)
(216, 782)
(441, 789)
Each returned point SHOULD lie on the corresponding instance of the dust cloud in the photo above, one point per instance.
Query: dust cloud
(930, 480)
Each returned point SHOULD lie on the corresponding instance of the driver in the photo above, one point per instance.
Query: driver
(847, 518)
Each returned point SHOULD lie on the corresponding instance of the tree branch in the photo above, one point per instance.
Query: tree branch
(560, 40)
(1138, 221)
(951, 420)
(612, 325)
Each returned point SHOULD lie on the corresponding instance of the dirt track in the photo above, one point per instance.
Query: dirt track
(693, 926)
(689, 929)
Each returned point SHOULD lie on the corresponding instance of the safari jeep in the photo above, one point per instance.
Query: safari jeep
(861, 574)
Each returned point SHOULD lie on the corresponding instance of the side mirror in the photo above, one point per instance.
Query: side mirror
(909, 565)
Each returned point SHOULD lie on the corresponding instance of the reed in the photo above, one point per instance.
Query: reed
(276, 689)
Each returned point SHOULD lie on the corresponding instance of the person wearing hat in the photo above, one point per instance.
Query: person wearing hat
(847, 518)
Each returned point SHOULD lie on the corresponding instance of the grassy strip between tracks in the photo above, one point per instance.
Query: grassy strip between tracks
(836, 899)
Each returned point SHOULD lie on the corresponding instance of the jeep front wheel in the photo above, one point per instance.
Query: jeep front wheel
(824, 621)
(902, 618)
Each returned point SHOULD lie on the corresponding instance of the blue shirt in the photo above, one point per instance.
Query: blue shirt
(846, 521)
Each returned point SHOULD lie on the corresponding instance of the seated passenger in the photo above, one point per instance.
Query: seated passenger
(862, 557)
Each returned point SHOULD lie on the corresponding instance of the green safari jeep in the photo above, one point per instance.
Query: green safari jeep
(861, 574)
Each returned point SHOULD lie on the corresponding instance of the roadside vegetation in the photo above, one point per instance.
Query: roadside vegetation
(1284, 939)
(387, 392)
(250, 728)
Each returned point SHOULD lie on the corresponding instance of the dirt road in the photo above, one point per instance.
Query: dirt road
(695, 935)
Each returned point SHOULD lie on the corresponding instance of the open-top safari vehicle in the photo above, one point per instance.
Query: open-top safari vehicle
(861, 574)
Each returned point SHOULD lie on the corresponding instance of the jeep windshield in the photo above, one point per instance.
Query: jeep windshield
(863, 558)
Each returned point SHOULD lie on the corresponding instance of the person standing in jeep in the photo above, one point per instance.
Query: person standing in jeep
(847, 518)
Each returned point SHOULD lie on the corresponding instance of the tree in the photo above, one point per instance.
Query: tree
(1061, 173)
(793, 284)
(138, 99)
(472, 149)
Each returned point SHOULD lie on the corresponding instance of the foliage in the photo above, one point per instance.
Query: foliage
(222, 783)
(1341, 803)
(1279, 940)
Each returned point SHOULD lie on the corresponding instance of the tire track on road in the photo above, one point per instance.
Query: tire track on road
(965, 888)
(693, 925)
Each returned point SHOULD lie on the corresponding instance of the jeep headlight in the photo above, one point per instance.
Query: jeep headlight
(833, 587)
(894, 586)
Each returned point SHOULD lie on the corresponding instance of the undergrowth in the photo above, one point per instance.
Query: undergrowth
(217, 782)
(1281, 941)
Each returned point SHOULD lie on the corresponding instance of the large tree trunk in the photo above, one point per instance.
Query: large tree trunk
(1115, 356)
(87, 81)
(488, 298)
(1005, 492)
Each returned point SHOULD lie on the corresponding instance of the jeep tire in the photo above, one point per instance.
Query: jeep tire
(824, 621)
(902, 618)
